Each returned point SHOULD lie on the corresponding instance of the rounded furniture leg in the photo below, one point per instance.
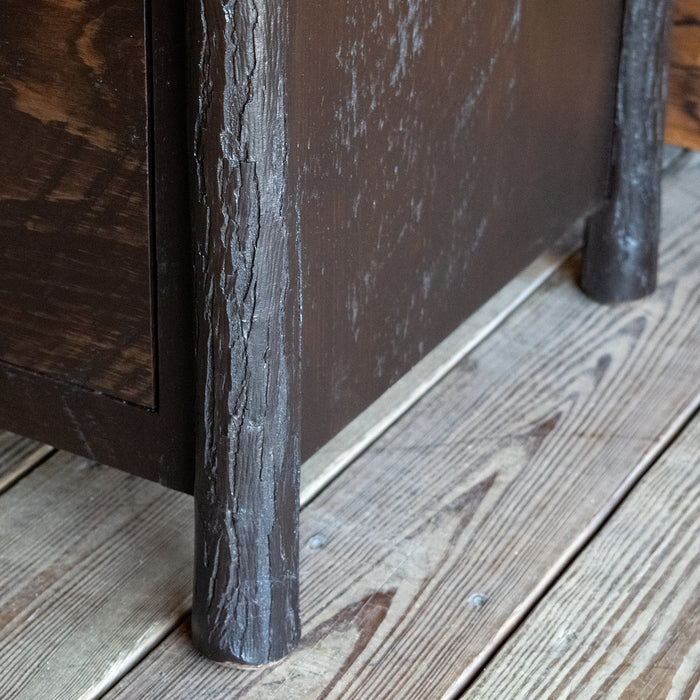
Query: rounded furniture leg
(621, 241)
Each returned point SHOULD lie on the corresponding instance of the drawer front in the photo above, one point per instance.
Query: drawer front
(75, 269)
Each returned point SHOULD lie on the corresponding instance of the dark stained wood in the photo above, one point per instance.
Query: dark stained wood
(621, 248)
(623, 621)
(248, 323)
(75, 270)
(683, 115)
(435, 149)
(379, 172)
(156, 443)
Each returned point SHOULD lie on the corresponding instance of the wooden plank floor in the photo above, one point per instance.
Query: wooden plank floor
(624, 621)
(427, 558)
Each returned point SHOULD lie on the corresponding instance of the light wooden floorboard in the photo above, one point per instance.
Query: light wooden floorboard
(419, 559)
(95, 568)
(624, 622)
(18, 455)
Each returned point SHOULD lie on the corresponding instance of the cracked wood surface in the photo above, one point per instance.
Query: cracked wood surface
(248, 324)
(623, 621)
(424, 555)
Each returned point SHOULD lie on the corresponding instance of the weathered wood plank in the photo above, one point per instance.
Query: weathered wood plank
(17, 456)
(623, 621)
(423, 555)
(683, 114)
(96, 568)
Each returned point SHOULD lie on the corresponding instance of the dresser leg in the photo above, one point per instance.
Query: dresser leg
(245, 606)
(621, 241)
(248, 321)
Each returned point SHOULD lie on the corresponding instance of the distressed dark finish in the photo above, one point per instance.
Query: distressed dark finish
(156, 443)
(621, 244)
(75, 271)
(248, 321)
(436, 147)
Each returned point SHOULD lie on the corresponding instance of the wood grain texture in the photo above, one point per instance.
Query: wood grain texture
(18, 455)
(75, 271)
(248, 325)
(423, 552)
(96, 569)
(683, 115)
(623, 621)
(620, 254)
(435, 149)
(71, 417)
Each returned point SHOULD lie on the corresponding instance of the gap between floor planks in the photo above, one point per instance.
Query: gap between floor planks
(18, 456)
(427, 552)
(623, 621)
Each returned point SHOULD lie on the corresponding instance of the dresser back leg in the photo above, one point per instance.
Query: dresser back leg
(621, 240)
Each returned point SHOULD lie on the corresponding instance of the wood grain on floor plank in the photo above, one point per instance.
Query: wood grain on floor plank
(417, 557)
(95, 567)
(18, 455)
(624, 622)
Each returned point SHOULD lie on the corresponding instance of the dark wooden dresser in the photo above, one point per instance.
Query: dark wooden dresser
(228, 227)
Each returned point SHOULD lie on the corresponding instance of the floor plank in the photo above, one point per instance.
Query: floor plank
(95, 568)
(422, 555)
(18, 455)
(624, 622)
